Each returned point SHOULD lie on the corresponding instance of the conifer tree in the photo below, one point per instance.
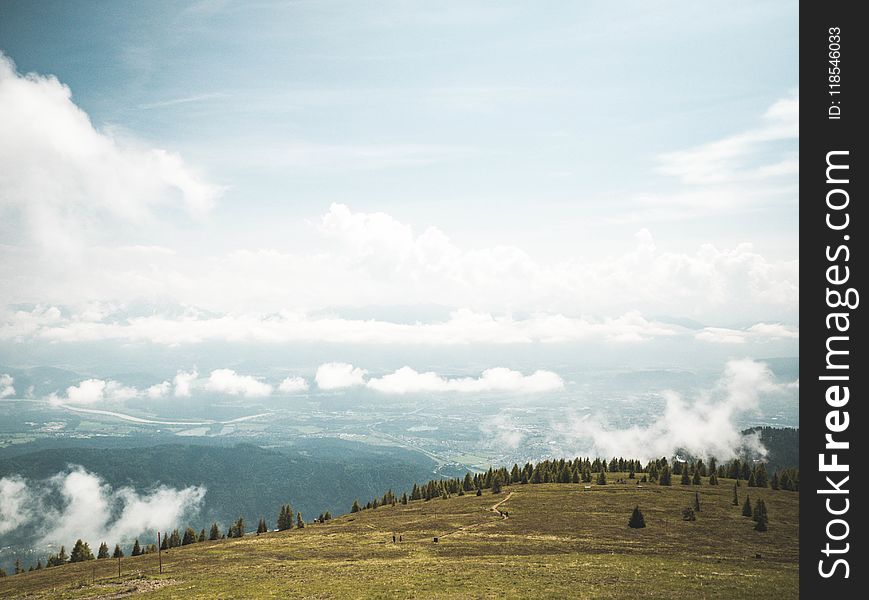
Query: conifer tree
(356, 508)
(496, 486)
(759, 511)
(103, 552)
(300, 524)
(697, 501)
(735, 496)
(201, 537)
(686, 479)
(19, 569)
(189, 537)
(118, 553)
(137, 549)
(760, 525)
(637, 521)
(713, 478)
(773, 482)
(214, 533)
(665, 477)
(61, 556)
(746, 508)
(174, 539)
(327, 516)
(601, 477)
(761, 477)
(80, 552)
(696, 479)
(752, 481)
(261, 527)
(164, 544)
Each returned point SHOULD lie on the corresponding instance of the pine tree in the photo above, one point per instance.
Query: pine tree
(174, 539)
(214, 533)
(773, 482)
(356, 508)
(103, 552)
(746, 508)
(137, 549)
(261, 527)
(201, 537)
(752, 481)
(637, 521)
(118, 553)
(18, 568)
(735, 496)
(300, 524)
(759, 511)
(761, 477)
(761, 524)
(164, 545)
(664, 477)
(80, 552)
(601, 477)
(496, 486)
(686, 479)
(713, 478)
(696, 479)
(697, 501)
(61, 556)
(189, 537)
(238, 528)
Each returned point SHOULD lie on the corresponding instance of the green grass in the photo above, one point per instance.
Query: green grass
(560, 541)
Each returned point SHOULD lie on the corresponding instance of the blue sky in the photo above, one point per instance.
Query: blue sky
(606, 164)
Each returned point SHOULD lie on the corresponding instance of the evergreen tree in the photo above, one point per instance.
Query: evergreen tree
(759, 511)
(761, 478)
(773, 482)
(300, 524)
(103, 552)
(355, 508)
(175, 539)
(601, 477)
(697, 501)
(202, 537)
(18, 568)
(214, 533)
(327, 516)
(686, 479)
(735, 496)
(496, 486)
(404, 497)
(164, 544)
(713, 478)
(238, 528)
(761, 524)
(80, 552)
(61, 556)
(664, 477)
(118, 553)
(746, 508)
(189, 537)
(637, 521)
(261, 527)
(137, 549)
(696, 479)
(752, 481)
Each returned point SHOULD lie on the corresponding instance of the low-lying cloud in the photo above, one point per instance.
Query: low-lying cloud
(227, 381)
(338, 375)
(6, 385)
(91, 509)
(705, 427)
(408, 381)
(95, 391)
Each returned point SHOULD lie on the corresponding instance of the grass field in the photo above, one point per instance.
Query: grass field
(560, 541)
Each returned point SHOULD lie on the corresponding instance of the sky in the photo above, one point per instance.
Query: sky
(460, 173)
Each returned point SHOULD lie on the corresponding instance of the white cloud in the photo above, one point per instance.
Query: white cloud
(292, 385)
(337, 375)
(15, 504)
(502, 432)
(705, 427)
(6, 385)
(159, 390)
(61, 176)
(227, 381)
(407, 381)
(731, 158)
(94, 391)
(759, 332)
(93, 511)
(183, 382)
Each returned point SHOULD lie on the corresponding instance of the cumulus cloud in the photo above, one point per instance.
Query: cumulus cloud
(183, 382)
(407, 381)
(292, 385)
(6, 385)
(159, 390)
(59, 173)
(337, 375)
(759, 332)
(91, 509)
(227, 381)
(704, 427)
(95, 391)
(15, 504)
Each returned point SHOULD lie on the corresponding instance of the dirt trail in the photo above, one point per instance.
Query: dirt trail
(494, 508)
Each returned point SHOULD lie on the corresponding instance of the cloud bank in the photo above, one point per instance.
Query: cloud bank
(227, 381)
(704, 427)
(409, 381)
(90, 509)
(337, 375)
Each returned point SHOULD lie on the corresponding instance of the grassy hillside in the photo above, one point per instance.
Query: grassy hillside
(559, 541)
